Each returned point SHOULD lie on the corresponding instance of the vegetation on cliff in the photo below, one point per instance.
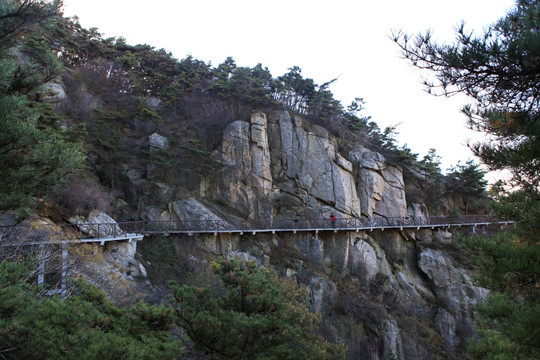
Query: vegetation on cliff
(119, 94)
(35, 152)
(500, 71)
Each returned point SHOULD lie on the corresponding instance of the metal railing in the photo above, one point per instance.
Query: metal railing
(62, 232)
(278, 224)
(36, 232)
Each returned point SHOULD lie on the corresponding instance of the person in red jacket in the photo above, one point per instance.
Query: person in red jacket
(333, 220)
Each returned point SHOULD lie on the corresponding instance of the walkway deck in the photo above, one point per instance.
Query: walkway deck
(28, 237)
(317, 225)
(133, 231)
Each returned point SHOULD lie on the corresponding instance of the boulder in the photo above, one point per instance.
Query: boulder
(98, 224)
(152, 102)
(157, 141)
(54, 92)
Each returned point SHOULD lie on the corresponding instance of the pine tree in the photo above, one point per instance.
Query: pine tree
(468, 182)
(500, 71)
(83, 325)
(35, 154)
(251, 314)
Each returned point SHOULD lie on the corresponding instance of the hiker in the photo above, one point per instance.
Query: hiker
(333, 220)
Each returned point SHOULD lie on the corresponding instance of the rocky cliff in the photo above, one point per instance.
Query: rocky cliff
(400, 294)
(384, 293)
(274, 166)
(277, 167)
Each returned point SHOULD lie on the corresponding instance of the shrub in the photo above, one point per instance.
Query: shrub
(79, 195)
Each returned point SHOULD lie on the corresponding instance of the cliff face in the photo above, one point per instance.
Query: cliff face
(275, 167)
(383, 293)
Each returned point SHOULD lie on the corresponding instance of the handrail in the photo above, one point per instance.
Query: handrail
(122, 229)
(34, 232)
(299, 224)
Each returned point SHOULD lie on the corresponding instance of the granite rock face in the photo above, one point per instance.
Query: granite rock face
(276, 167)
(245, 181)
(364, 262)
(380, 186)
(112, 265)
(273, 166)
(454, 288)
(383, 293)
(387, 294)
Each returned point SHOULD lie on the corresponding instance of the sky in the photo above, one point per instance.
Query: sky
(344, 39)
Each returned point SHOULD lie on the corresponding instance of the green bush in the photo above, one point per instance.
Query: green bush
(85, 325)
(251, 314)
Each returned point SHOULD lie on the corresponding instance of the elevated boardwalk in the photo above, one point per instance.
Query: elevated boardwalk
(40, 236)
(317, 225)
(46, 233)
(136, 230)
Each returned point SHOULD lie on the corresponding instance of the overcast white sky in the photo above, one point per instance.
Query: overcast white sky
(326, 39)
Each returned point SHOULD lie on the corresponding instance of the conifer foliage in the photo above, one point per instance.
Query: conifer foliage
(251, 314)
(500, 71)
(35, 153)
(83, 325)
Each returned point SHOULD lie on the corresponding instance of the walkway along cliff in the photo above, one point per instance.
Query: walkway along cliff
(388, 281)
(386, 291)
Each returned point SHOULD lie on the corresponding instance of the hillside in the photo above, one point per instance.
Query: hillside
(96, 126)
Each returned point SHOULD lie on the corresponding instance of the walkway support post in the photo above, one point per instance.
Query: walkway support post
(65, 255)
